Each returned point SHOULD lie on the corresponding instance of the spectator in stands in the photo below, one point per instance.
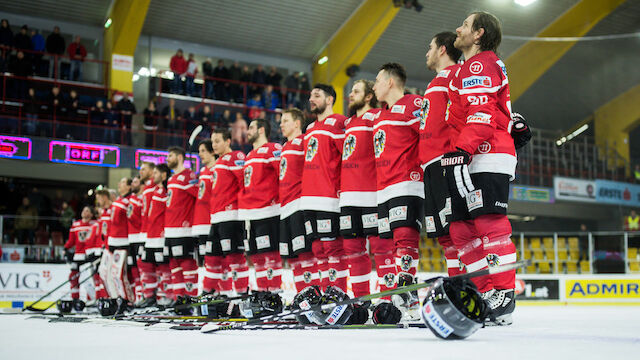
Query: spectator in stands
(259, 77)
(190, 75)
(55, 108)
(6, 42)
(305, 89)
(77, 119)
(37, 44)
(225, 120)
(73, 96)
(150, 124)
(632, 221)
(172, 124)
(66, 218)
(246, 77)
(179, 66)
(271, 101)
(205, 118)
(55, 45)
(22, 41)
(127, 109)
(100, 122)
(235, 74)
(21, 67)
(254, 105)
(207, 71)
(77, 53)
(239, 131)
(31, 109)
(27, 222)
(292, 83)
(583, 243)
(636, 173)
(112, 119)
(274, 78)
(189, 119)
(221, 86)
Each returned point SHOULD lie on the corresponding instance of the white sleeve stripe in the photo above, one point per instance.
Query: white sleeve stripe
(119, 205)
(396, 122)
(258, 160)
(225, 167)
(292, 152)
(436, 89)
(359, 128)
(206, 177)
(178, 186)
(157, 198)
(324, 132)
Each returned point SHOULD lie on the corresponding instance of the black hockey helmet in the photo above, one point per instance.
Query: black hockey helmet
(64, 306)
(261, 303)
(107, 307)
(337, 315)
(453, 309)
(305, 299)
(78, 305)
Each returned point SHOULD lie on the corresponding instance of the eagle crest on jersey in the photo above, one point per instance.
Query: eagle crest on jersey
(307, 277)
(461, 265)
(83, 235)
(169, 193)
(129, 210)
(379, 140)
(104, 228)
(214, 179)
(493, 260)
(312, 149)
(389, 280)
(333, 274)
(248, 171)
(405, 262)
(201, 189)
(424, 112)
(283, 168)
(349, 146)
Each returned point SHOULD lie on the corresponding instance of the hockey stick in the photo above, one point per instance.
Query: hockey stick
(193, 136)
(31, 308)
(399, 290)
(212, 302)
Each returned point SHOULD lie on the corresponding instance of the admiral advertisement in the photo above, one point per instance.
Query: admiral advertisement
(599, 289)
(574, 189)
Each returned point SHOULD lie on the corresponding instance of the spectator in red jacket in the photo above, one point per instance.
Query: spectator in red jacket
(190, 75)
(77, 53)
(179, 66)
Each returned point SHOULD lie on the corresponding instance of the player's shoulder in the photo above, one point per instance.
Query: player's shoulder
(407, 104)
(77, 223)
(484, 63)
(335, 122)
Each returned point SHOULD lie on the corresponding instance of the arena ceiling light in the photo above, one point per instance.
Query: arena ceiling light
(107, 23)
(577, 132)
(524, 2)
(323, 60)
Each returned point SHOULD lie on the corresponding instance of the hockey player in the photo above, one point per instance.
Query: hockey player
(99, 240)
(155, 257)
(320, 186)
(136, 242)
(482, 161)
(435, 133)
(292, 230)
(258, 206)
(224, 260)
(118, 232)
(358, 202)
(201, 214)
(400, 191)
(146, 266)
(79, 235)
(181, 196)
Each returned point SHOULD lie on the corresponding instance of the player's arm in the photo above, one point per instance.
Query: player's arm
(73, 238)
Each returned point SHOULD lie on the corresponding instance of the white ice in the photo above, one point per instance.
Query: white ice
(538, 332)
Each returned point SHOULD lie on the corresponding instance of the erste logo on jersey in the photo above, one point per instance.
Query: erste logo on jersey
(169, 193)
(248, 171)
(472, 81)
(424, 112)
(283, 168)
(312, 149)
(349, 146)
(129, 210)
(476, 67)
(379, 140)
(201, 189)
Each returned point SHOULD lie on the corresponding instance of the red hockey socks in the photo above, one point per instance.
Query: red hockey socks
(382, 250)
(451, 255)
(101, 292)
(305, 272)
(406, 240)
(359, 265)
(495, 232)
(149, 279)
(238, 271)
(212, 273)
(75, 287)
(165, 287)
(190, 275)
(177, 279)
(321, 263)
(471, 251)
(136, 284)
(273, 263)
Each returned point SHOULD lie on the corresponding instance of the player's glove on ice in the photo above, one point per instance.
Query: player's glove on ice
(520, 131)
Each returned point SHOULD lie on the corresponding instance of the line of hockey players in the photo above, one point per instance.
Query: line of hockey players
(339, 192)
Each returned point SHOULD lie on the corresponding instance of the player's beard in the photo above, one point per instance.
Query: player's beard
(319, 109)
(253, 138)
(172, 164)
(355, 106)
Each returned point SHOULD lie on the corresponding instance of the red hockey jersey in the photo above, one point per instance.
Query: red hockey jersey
(481, 112)
(258, 198)
(201, 214)
(94, 243)
(104, 221)
(147, 194)
(435, 133)
(156, 217)
(358, 174)
(181, 198)
(290, 176)
(80, 236)
(134, 218)
(321, 174)
(395, 144)
(226, 183)
(118, 233)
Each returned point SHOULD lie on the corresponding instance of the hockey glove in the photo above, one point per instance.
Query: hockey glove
(520, 132)
(456, 168)
(386, 313)
(68, 256)
(453, 158)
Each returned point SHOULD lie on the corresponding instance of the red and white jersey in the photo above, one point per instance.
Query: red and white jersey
(357, 179)
(395, 144)
(118, 229)
(147, 194)
(80, 235)
(321, 175)
(290, 176)
(181, 199)
(201, 214)
(94, 243)
(226, 183)
(258, 198)
(104, 223)
(481, 112)
(156, 217)
(435, 133)
(134, 218)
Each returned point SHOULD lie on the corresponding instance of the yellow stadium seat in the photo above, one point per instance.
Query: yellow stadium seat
(537, 254)
(436, 254)
(544, 267)
(425, 265)
(634, 266)
(425, 253)
(548, 243)
(562, 243)
(562, 254)
(584, 266)
(436, 266)
(430, 242)
(549, 254)
(527, 254)
(574, 254)
(572, 267)
(535, 243)
(573, 243)
(531, 269)
(632, 254)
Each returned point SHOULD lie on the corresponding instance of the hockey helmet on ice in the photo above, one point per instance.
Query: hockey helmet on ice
(453, 309)
(337, 315)
(305, 299)
(261, 303)
(64, 306)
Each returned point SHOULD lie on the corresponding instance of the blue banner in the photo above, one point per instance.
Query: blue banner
(619, 193)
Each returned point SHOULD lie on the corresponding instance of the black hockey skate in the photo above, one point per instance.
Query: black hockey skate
(410, 303)
(501, 304)
(146, 302)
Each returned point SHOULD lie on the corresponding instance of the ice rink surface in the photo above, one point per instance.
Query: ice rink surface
(538, 332)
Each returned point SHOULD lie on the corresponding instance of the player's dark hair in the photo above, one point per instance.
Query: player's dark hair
(178, 151)
(368, 90)
(446, 39)
(328, 90)
(397, 71)
(164, 168)
(207, 145)
(226, 134)
(149, 164)
(264, 124)
(297, 115)
(93, 214)
(103, 192)
(492, 36)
